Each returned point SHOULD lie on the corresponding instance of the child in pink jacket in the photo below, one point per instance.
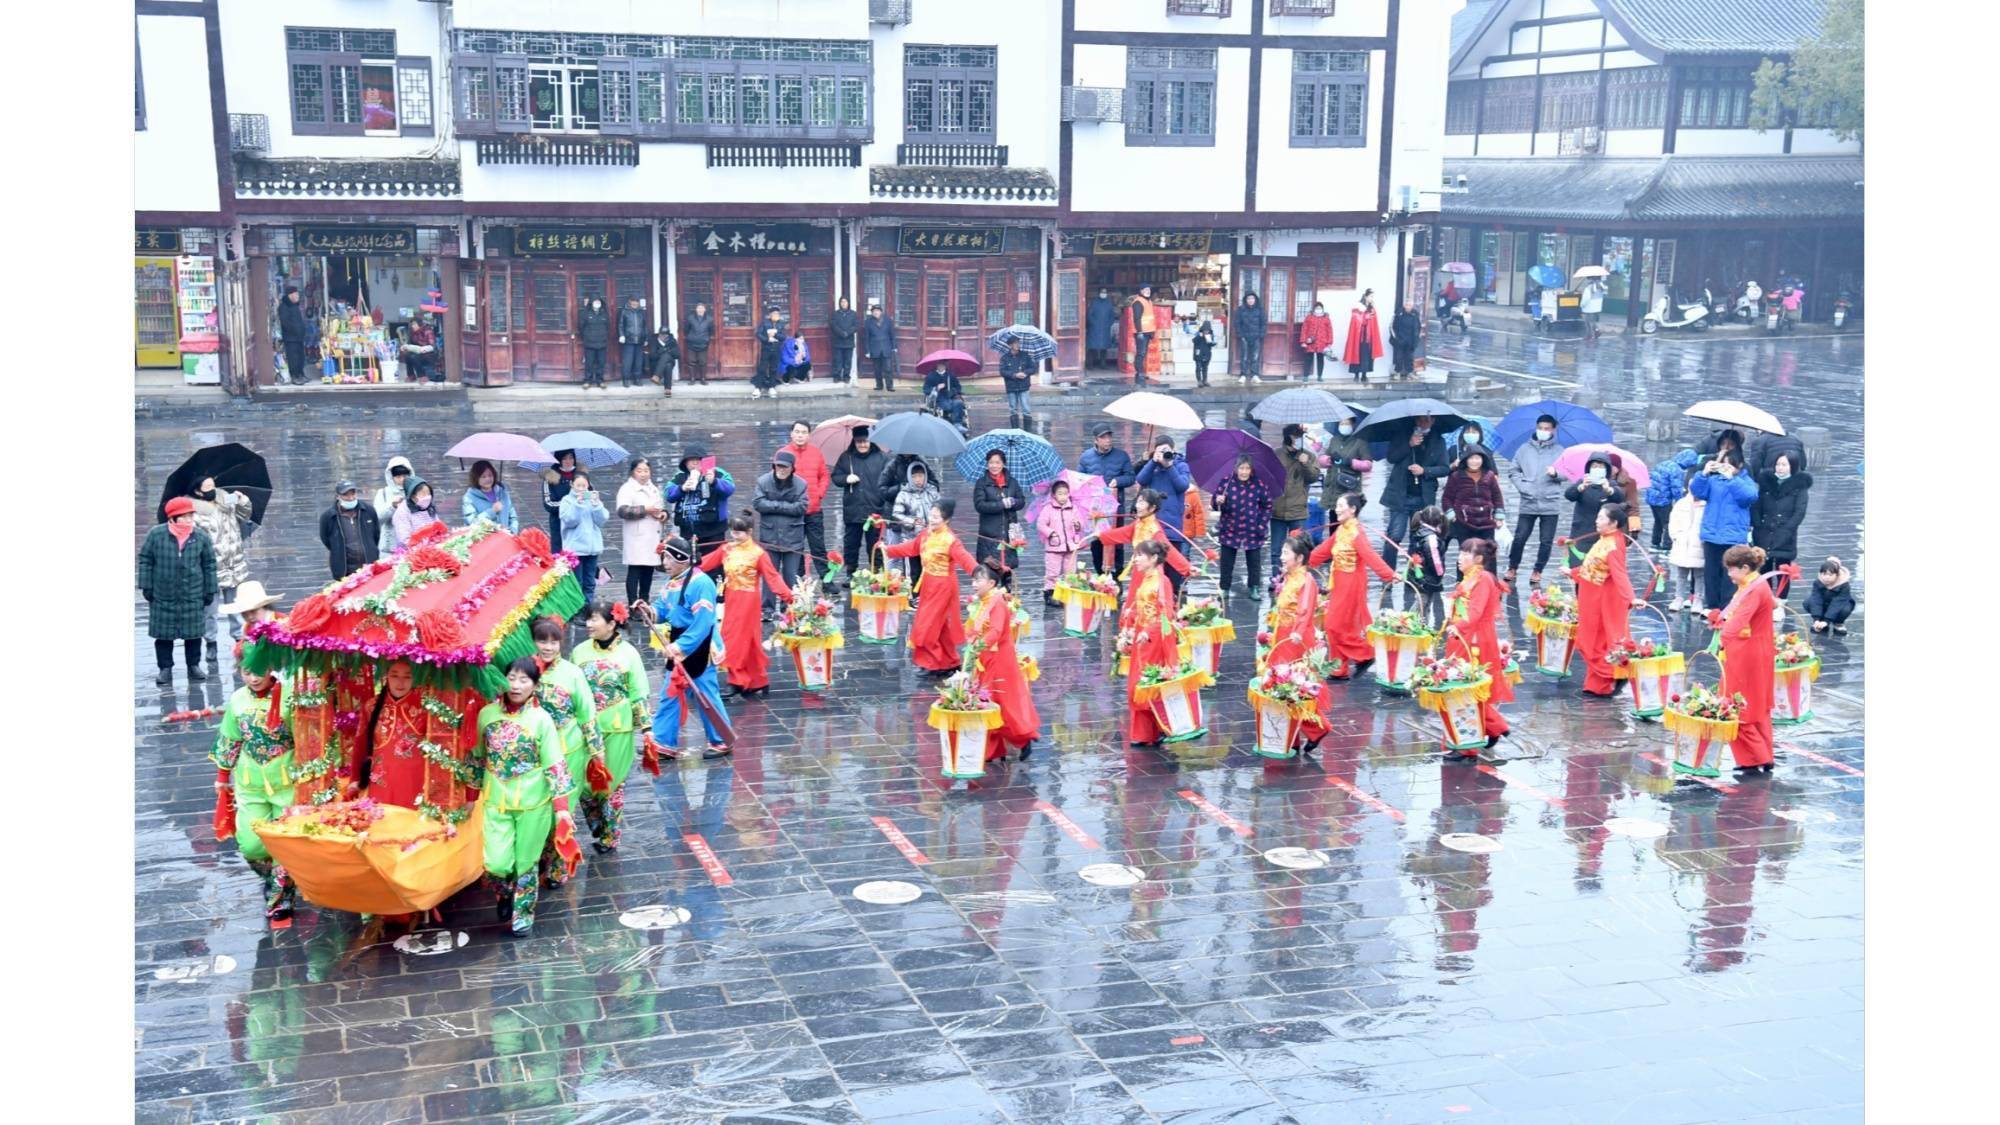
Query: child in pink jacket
(1062, 528)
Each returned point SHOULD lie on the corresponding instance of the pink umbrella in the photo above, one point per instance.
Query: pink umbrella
(498, 446)
(1089, 493)
(1577, 457)
(955, 361)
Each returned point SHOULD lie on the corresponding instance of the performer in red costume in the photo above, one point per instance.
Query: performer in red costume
(1749, 656)
(746, 570)
(989, 624)
(1347, 617)
(1474, 633)
(1604, 601)
(936, 633)
(1149, 625)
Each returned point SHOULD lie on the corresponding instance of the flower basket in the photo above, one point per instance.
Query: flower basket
(1204, 643)
(1655, 677)
(1792, 699)
(1555, 644)
(812, 658)
(1457, 706)
(1278, 723)
(962, 739)
(1083, 610)
(1176, 701)
(1396, 654)
(1703, 721)
(881, 616)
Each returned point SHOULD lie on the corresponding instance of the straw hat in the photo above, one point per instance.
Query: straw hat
(251, 596)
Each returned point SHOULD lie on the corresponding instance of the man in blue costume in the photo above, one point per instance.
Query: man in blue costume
(687, 609)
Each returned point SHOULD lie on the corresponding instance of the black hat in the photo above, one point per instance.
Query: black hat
(784, 457)
(1103, 429)
(695, 451)
(860, 433)
(677, 548)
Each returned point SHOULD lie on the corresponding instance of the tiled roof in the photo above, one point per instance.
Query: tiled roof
(1467, 21)
(1020, 185)
(1657, 189)
(1718, 27)
(339, 179)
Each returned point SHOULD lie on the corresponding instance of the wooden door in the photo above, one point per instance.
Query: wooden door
(549, 352)
(907, 310)
(489, 360)
(1067, 327)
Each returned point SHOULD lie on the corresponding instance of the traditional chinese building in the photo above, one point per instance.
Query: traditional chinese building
(476, 157)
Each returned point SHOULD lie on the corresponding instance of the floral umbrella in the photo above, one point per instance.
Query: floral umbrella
(1094, 498)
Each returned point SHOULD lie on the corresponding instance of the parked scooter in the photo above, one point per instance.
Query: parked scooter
(1781, 310)
(1749, 303)
(1840, 307)
(1691, 315)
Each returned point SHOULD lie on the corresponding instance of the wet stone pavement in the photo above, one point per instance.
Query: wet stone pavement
(1624, 949)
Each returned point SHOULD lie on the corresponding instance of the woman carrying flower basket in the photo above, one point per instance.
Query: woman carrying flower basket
(1749, 655)
(1294, 620)
(1348, 550)
(254, 776)
(1474, 633)
(994, 664)
(618, 687)
(1085, 596)
(525, 787)
(1604, 601)
(1149, 637)
(746, 572)
(880, 597)
(936, 633)
(1147, 528)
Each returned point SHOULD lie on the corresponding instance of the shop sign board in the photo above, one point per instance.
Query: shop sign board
(354, 238)
(949, 242)
(569, 242)
(156, 240)
(1152, 242)
(759, 240)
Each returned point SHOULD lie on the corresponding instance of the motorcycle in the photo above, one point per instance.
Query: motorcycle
(1781, 310)
(1748, 303)
(1840, 307)
(1691, 315)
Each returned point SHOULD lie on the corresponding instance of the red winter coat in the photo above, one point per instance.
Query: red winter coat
(1362, 322)
(1316, 334)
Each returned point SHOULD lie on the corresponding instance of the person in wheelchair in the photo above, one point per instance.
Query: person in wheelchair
(945, 395)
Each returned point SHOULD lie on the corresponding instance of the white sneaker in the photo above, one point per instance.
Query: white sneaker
(1257, 378)
(1677, 605)
(755, 393)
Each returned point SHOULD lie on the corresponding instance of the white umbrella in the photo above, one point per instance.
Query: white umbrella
(1152, 409)
(1591, 271)
(1731, 412)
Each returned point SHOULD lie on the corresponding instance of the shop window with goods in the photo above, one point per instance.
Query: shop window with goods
(367, 293)
(351, 82)
(1189, 275)
(176, 306)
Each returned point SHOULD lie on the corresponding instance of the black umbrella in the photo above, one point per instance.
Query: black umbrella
(1393, 421)
(234, 467)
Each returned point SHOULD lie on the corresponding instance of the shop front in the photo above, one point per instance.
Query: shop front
(743, 271)
(1327, 272)
(951, 286)
(530, 285)
(175, 301)
(375, 294)
(1190, 274)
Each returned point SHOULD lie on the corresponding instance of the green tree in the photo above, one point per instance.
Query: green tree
(1824, 82)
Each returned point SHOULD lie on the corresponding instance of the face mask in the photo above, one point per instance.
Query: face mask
(1470, 437)
(423, 505)
(207, 494)
(1545, 435)
(1346, 430)
(1783, 476)
(350, 505)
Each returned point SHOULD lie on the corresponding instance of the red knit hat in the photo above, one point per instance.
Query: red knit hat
(179, 506)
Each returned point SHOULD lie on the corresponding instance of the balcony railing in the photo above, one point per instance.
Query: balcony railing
(249, 133)
(783, 156)
(951, 156)
(1217, 8)
(1301, 7)
(604, 152)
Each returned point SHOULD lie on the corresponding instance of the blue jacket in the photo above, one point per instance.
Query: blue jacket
(795, 354)
(479, 505)
(583, 525)
(704, 506)
(1172, 484)
(1726, 520)
(1667, 484)
(687, 611)
(1115, 467)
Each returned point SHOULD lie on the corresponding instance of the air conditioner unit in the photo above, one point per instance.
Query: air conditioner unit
(889, 11)
(1579, 141)
(1093, 103)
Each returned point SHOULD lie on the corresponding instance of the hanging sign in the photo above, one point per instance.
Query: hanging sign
(156, 240)
(759, 240)
(1151, 242)
(948, 242)
(569, 242)
(344, 238)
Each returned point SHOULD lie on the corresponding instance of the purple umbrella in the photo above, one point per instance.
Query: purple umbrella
(1212, 454)
(498, 446)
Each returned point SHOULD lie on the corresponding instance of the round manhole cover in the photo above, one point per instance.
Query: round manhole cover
(1112, 875)
(888, 892)
(1635, 827)
(430, 943)
(1298, 859)
(654, 917)
(1469, 842)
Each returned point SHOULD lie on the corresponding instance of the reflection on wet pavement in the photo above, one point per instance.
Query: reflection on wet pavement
(1618, 948)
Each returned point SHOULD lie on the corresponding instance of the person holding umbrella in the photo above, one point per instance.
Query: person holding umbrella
(1730, 496)
(177, 577)
(555, 485)
(1417, 464)
(858, 472)
(216, 512)
(1017, 375)
(1781, 508)
(1604, 601)
(748, 579)
(1244, 518)
(1347, 619)
(487, 499)
(349, 532)
(1105, 459)
(998, 500)
(687, 609)
(1166, 473)
(936, 633)
(1540, 490)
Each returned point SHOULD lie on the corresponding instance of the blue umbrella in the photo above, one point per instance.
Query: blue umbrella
(593, 450)
(1575, 425)
(1035, 343)
(1546, 276)
(1030, 458)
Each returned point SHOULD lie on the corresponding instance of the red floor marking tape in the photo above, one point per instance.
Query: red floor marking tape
(705, 855)
(280, 923)
(1368, 799)
(1068, 826)
(1517, 783)
(1712, 783)
(1215, 814)
(1187, 1040)
(1820, 758)
(902, 842)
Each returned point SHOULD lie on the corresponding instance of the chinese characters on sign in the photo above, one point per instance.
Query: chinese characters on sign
(1152, 242)
(569, 242)
(311, 238)
(773, 240)
(156, 240)
(948, 242)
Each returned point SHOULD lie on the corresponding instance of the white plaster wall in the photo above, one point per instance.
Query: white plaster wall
(1423, 46)
(1634, 142)
(254, 68)
(1572, 36)
(1553, 8)
(1147, 15)
(667, 173)
(1317, 179)
(788, 19)
(1569, 64)
(1029, 100)
(1457, 144)
(1110, 176)
(1512, 69)
(1728, 142)
(173, 159)
(1820, 142)
(1504, 144)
